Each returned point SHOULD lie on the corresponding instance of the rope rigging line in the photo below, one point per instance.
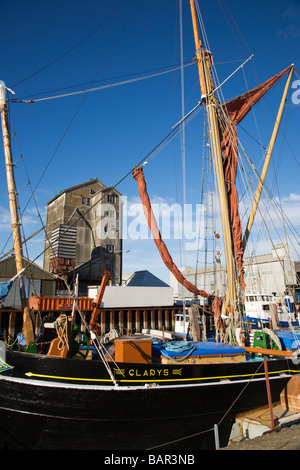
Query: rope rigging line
(169, 68)
(153, 152)
(221, 420)
(79, 107)
(240, 394)
(207, 205)
(272, 202)
(73, 117)
(103, 87)
(254, 169)
(231, 22)
(278, 211)
(275, 205)
(73, 47)
(174, 131)
(99, 346)
(255, 120)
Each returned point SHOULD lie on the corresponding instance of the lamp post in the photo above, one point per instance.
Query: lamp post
(119, 252)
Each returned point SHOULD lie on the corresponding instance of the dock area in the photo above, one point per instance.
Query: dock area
(284, 438)
(275, 427)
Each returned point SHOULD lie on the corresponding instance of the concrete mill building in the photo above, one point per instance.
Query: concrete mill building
(84, 233)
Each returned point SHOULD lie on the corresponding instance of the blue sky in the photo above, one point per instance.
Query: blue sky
(50, 46)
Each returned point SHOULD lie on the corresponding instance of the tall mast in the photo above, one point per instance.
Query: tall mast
(207, 95)
(14, 213)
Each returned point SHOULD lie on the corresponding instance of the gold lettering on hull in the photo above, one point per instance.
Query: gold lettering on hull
(149, 373)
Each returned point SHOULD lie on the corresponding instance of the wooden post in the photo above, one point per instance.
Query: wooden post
(129, 321)
(269, 394)
(12, 324)
(137, 321)
(274, 316)
(160, 321)
(121, 321)
(103, 322)
(173, 320)
(14, 213)
(145, 319)
(195, 327)
(153, 319)
(111, 320)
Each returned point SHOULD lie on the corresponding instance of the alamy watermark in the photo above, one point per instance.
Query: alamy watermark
(174, 221)
(296, 93)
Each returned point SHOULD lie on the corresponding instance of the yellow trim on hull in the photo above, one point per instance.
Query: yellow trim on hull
(133, 380)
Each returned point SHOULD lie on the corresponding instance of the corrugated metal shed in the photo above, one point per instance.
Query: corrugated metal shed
(8, 269)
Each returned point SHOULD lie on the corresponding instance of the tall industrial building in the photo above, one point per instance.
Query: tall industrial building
(84, 233)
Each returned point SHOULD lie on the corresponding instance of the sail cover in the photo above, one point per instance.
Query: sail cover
(232, 114)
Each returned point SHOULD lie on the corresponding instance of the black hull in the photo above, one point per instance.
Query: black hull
(59, 412)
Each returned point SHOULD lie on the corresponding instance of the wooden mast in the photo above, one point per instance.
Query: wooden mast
(203, 58)
(267, 160)
(14, 213)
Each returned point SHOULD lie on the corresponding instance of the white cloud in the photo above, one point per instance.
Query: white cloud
(290, 21)
(292, 197)
(5, 220)
(30, 224)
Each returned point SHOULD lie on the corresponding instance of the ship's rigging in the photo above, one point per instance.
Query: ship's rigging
(231, 170)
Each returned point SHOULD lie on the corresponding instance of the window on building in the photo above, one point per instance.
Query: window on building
(111, 214)
(110, 248)
(86, 201)
(111, 198)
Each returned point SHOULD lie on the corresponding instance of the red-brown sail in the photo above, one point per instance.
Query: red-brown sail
(138, 175)
(234, 111)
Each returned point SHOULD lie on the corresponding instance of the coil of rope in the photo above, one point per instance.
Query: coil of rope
(179, 347)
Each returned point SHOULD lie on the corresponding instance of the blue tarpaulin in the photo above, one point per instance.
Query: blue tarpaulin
(205, 348)
(5, 288)
(289, 339)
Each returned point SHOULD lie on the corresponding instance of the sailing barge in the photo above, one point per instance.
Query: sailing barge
(149, 394)
(56, 403)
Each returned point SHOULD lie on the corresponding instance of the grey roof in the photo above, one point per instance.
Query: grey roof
(86, 183)
(145, 279)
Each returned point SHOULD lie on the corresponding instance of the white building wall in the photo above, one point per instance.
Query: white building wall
(267, 273)
(132, 296)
